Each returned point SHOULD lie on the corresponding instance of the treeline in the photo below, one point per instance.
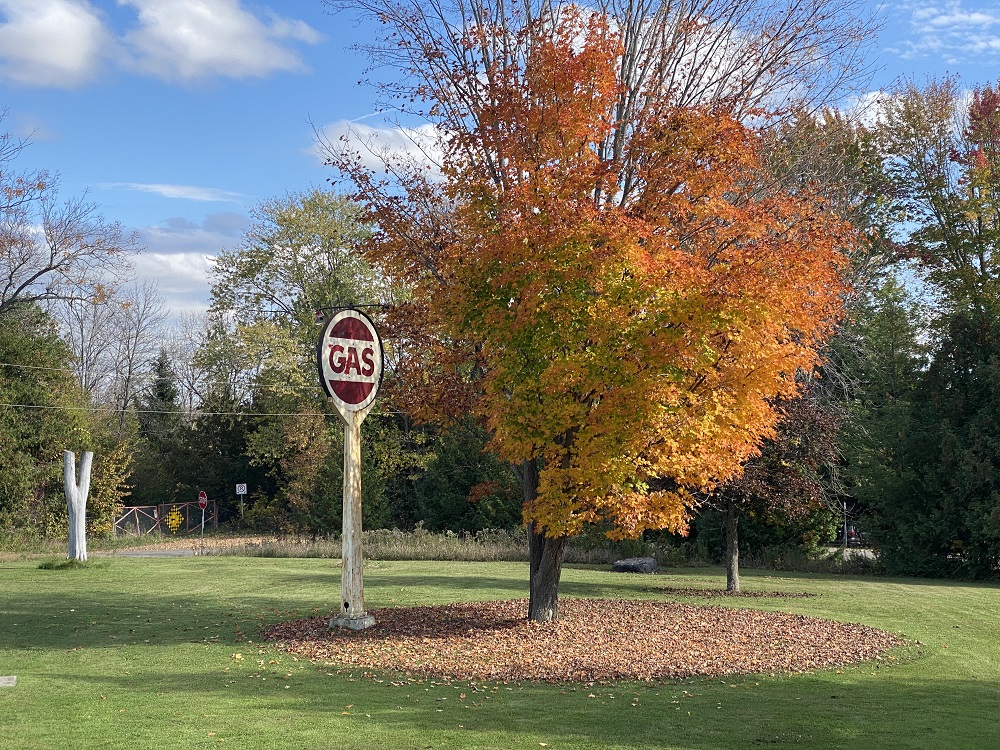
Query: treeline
(898, 432)
(171, 408)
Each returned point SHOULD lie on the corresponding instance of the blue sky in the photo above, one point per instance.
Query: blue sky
(178, 116)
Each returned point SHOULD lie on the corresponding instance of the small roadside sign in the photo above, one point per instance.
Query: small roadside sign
(241, 490)
(202, 500)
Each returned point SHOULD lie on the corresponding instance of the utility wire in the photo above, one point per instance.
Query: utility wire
(183, 412)
(197, 412)
(36, 367)
(270, 386)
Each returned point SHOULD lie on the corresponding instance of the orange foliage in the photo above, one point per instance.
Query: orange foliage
(617, 334)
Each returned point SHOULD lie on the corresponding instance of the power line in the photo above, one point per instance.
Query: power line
(199, 413)
(269, 386)
(195, 413)
(36, 367)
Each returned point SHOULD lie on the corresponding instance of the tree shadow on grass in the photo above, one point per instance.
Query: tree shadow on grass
(102, 616)
(106, 619)
(824, 710)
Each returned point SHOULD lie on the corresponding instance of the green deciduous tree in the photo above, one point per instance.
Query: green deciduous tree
(299, 255)
(43, 411)
(943, 156)
(40, 419)
(302, 254)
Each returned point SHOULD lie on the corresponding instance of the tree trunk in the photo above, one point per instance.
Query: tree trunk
(732, 546)
(76, 502)
(546, 566)
(545, 554)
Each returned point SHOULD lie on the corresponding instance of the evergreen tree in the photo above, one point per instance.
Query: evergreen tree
(929, 464)
(882, 351)
(159, 468)
(944, 516)
(465, 488)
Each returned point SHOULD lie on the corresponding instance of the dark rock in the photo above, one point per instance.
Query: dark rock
(636, 565)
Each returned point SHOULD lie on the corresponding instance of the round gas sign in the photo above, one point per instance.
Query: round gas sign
(349, 356)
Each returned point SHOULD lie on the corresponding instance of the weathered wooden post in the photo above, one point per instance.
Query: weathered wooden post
(76, 501)
(350, 360)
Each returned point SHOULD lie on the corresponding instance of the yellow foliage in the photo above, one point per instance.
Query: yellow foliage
(624, 325)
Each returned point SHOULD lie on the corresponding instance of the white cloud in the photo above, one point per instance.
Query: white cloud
(67, 43)
(59, 43)
(952, 31)
(193, 39)
(178, 273)
(180, 235)
(183, 192)
(952, 16)
(864, 108)
(182, 279)
(180, 254)
(375, 144)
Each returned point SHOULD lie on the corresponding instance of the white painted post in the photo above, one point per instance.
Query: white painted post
(76, 501)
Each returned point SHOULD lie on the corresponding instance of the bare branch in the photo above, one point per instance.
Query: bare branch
(50, 249)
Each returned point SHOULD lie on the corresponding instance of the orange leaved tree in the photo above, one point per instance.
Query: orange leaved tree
(623, 331)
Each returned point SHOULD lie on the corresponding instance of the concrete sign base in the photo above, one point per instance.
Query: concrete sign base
(353, 623)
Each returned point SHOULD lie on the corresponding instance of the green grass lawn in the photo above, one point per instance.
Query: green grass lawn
(142, 653)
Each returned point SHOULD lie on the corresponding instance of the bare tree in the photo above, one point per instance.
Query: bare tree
(85, 327)
(17, 188)
(760, 58)
(114, 340)
(182, 344)
(51, 249)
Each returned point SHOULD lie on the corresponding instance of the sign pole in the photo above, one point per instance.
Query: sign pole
(352, 594)
(241, 491)
(350, 360)
(202, 503)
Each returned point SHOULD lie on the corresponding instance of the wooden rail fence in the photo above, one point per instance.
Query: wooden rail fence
(168, 518)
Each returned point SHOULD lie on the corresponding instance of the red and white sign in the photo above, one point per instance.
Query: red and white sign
(202, 500)
(349, 356)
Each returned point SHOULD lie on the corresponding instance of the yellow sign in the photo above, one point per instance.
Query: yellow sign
(174, 519)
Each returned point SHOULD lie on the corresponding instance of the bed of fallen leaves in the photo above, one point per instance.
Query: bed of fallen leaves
(712, 593)
(594, 640)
